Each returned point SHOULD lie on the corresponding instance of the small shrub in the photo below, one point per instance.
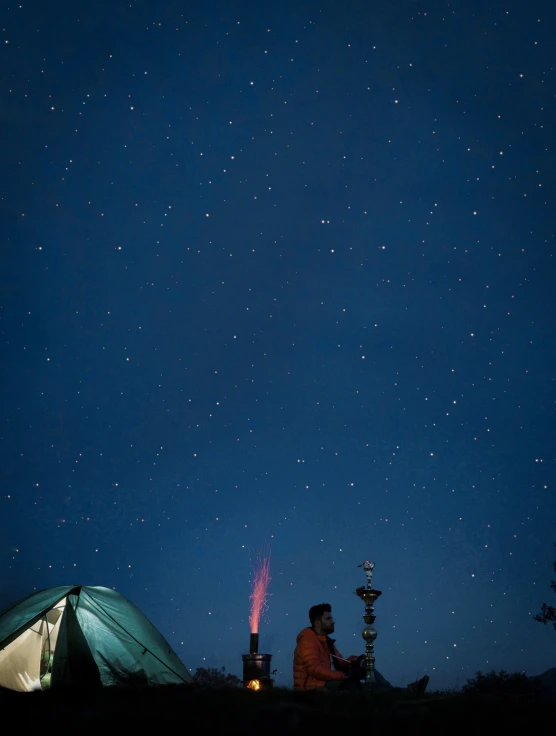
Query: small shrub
(214, 677)
(498, 683)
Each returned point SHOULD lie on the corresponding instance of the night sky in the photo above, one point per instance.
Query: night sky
(283, 274)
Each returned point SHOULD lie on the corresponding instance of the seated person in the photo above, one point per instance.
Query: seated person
(317, 663)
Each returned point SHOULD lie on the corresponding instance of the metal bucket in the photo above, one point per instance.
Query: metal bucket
(256, 667)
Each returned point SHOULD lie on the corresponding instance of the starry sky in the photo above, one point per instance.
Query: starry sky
(281, 276)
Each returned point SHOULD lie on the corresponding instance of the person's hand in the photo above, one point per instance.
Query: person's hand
(356, 671)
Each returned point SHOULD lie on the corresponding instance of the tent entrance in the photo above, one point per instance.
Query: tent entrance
(26, 663)
(51, 626)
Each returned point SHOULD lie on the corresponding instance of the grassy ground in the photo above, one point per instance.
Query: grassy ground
(279, 711)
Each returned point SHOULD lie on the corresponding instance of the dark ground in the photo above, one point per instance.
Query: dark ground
(280, 711)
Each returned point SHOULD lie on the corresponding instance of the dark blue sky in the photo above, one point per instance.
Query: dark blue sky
(284, 273)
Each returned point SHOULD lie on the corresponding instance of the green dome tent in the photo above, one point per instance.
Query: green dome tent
(82, 636)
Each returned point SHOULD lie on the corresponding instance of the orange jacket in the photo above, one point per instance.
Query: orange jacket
(311, 661)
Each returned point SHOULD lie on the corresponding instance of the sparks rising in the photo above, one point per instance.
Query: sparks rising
(261, 579)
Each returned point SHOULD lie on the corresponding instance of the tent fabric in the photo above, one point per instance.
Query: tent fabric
(124, 642)
(21, 615)
(100, 639)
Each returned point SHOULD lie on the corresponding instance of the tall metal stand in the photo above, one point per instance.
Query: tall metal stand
(369, 596)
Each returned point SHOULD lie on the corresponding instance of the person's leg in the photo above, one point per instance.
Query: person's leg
(382, 681)
(348, 684)
(379, 679)
(417, 688)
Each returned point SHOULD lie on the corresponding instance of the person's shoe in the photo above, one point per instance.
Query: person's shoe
(418, 687)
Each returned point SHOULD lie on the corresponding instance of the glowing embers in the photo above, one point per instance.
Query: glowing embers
(262, 684)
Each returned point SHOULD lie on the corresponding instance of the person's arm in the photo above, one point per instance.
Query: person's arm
(341, 664)
(309, 655)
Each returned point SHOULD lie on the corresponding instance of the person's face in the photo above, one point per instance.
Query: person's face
(327, 623)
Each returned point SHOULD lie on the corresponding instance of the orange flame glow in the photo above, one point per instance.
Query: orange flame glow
(261, 579)
(254, 684)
